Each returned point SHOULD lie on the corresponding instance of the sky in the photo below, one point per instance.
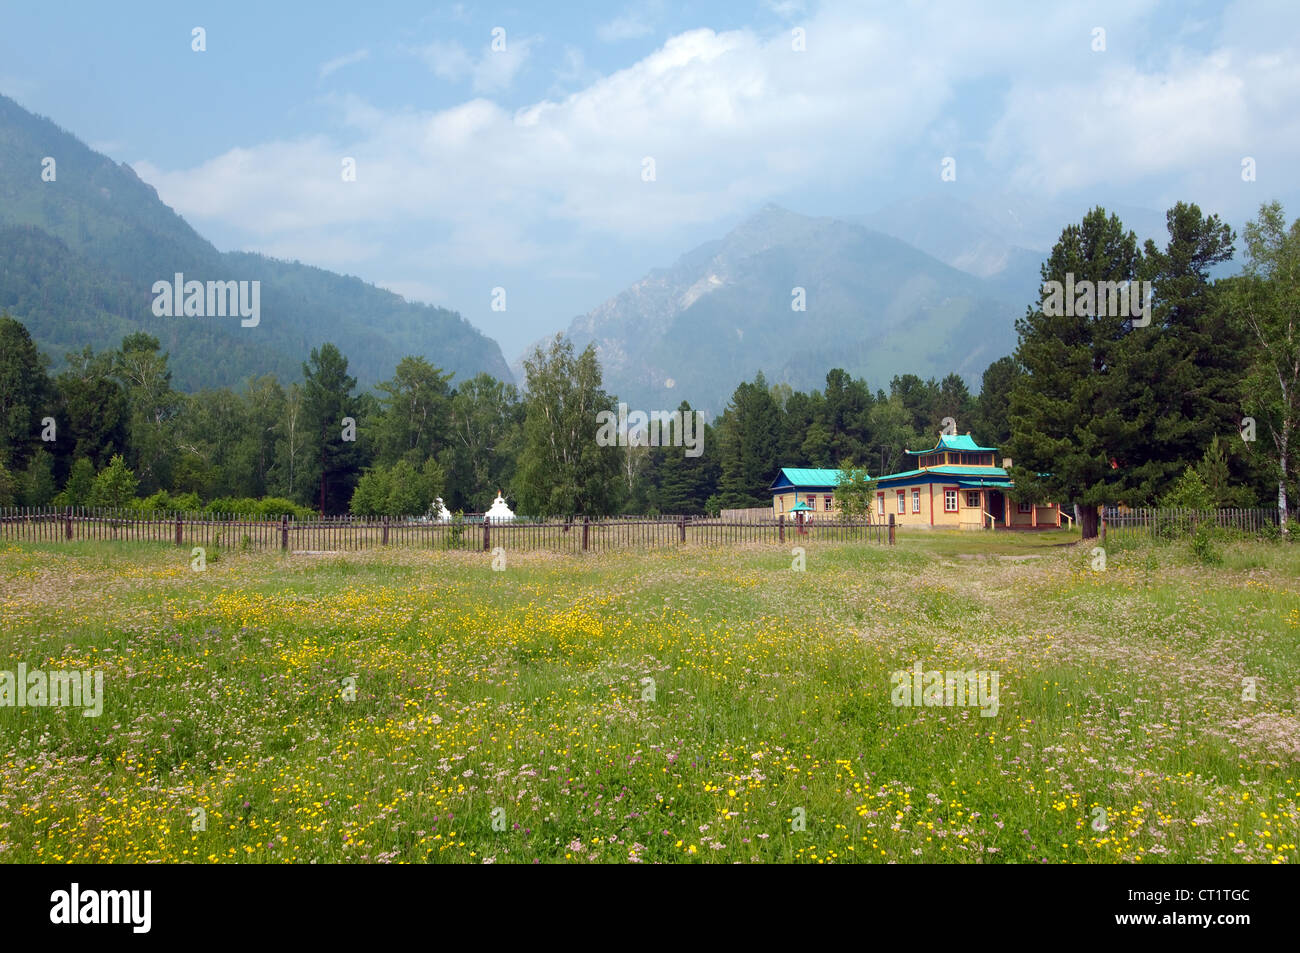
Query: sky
(499, 146)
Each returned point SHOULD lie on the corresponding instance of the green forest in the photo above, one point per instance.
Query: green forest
(1198, 407)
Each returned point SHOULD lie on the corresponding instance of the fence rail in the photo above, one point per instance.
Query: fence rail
(329, 534)
(1167, 521)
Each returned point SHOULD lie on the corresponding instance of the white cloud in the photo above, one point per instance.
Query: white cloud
(493, 71)
(633, 23)
(785, 8)
(630, 26)
(348, 59)
(496, 69)
(734, 118)
(448, 60)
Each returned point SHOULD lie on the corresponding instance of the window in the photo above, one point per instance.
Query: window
(827, 503)
(973, 498)
(1026, 507)
(880, 504)
(950, 501)
(902, 501)
(916, 500)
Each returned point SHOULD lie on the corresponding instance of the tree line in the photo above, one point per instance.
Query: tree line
(1200, 402)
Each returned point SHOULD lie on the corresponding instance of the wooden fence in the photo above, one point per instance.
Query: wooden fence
(331, 534)
(1168, 522)
(753, 514)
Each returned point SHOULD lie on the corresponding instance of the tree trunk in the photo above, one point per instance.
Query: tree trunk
(1086, 517)
(1281, 483)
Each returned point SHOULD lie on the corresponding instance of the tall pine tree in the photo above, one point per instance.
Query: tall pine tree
(1068, 431)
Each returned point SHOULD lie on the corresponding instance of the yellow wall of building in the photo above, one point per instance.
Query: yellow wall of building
(782, 503)
(966, 517)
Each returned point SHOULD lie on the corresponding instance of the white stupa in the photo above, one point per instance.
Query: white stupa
(500, 512)
(439, 511)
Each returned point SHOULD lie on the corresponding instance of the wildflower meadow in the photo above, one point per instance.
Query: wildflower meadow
(683, 705)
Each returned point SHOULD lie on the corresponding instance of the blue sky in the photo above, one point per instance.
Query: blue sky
(522, 168)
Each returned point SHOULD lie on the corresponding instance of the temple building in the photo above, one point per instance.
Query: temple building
(956, 484)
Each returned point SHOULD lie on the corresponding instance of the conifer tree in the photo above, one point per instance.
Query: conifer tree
(1068, 431)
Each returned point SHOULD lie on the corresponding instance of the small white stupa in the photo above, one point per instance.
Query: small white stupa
(500, 512)
(439, 511)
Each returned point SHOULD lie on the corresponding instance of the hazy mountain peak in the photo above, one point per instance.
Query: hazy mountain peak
(730, 307)
(82, 253)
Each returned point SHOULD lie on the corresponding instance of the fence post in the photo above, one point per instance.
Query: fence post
(487, 534)
(681, 529)
(284, 532)
(180, 531)
(780, 528)
(891, 529)
(383, 541)
(585, 526)
(68, 522)
(1103, 526)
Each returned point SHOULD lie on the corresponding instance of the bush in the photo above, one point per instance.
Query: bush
(80, 486)
(456, 532)
(250, 508)
(276, 506)
(161, 500)
(233, 505)
(1189, 493)
(186, 502)
(7, 484)
(1203, 547)
(115, 485)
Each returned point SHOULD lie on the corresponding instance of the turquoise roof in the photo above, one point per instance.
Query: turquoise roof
(799, 507)
(978, 476)
(806, 476)
(961, 442)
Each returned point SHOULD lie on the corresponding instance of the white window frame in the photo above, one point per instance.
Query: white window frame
(916, 500)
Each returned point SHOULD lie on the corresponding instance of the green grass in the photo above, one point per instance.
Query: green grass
(523, 695)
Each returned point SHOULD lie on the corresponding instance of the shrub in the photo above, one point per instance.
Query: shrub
(186, 502)
(1203, 547)
(370, 498)
(456, 531)
(276, 506)
(6, 487)
(80, 486)
(115, 485)
(161, 500)
(1189, 493)
(247, 507)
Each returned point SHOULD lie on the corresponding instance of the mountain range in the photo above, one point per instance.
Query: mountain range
(926, 285)
(83, 240)
(871, 304)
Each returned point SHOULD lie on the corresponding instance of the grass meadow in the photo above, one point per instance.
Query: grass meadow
(507, 717)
